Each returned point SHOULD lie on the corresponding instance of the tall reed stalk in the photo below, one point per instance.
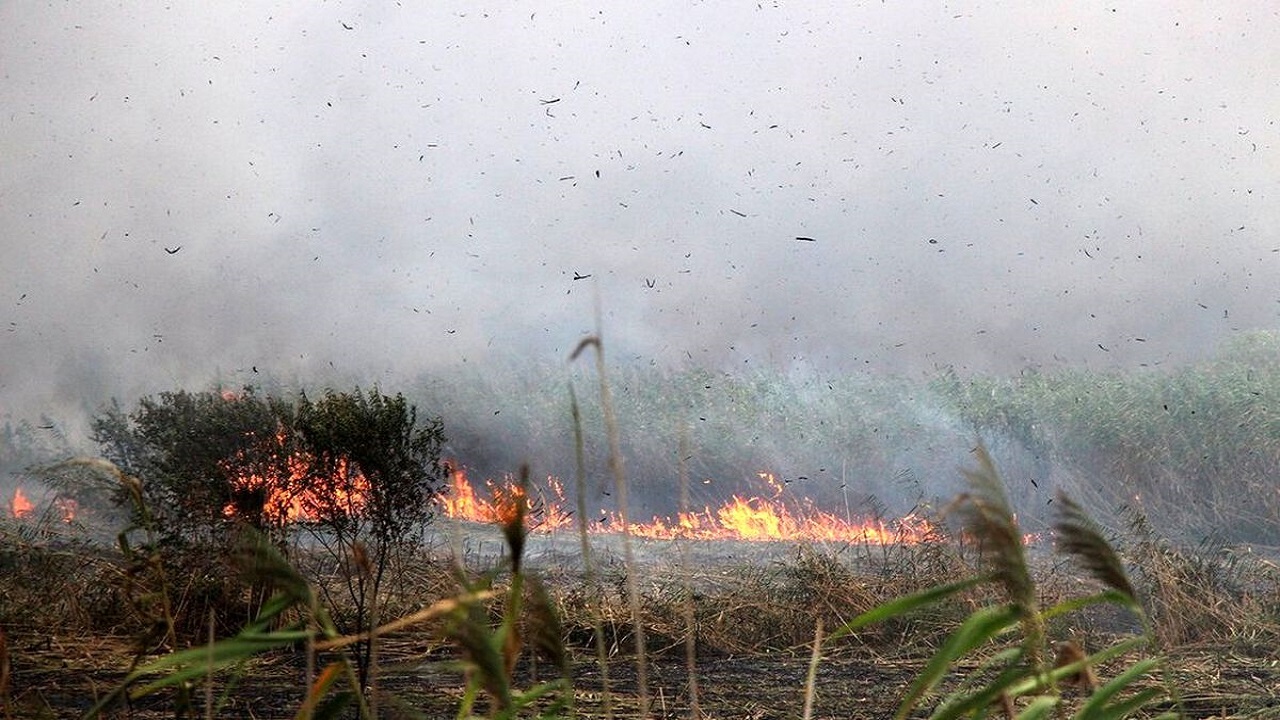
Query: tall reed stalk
(620, 488)
(588, 563)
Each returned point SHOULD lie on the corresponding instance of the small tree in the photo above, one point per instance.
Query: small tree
(193, 452)
(357, 469)
(190, 454)
(374, 475)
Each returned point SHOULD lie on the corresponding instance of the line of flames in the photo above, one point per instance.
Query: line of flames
(739, 518)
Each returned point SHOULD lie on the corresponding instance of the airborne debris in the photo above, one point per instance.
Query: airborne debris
(579, 276)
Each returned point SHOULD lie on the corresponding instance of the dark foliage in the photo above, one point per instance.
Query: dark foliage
(356, 469)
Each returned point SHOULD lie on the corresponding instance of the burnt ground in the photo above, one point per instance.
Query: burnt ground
(47, 683)
(61, 677)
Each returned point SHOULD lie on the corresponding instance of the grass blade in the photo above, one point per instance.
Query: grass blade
(810, 684)
(961, 704)
(1094, 706)
(1125, 708)
(1041, 707)
(979, 628)
(903, 605)
(1106, 596)
(324, 681)
(192, 663)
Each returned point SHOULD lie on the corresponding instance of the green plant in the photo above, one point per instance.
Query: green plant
(489, 651)
(356, 468)
(192, 449)
(1004, 645)
(294, 618)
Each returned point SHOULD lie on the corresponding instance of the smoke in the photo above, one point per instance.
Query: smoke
(197, 194)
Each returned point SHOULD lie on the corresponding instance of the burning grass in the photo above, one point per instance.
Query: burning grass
(755, 518)
(764, 573)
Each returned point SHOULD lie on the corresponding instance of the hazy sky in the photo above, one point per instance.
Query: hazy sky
(391, 188)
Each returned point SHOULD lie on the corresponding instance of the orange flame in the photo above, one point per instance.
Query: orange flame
(293, 496)
(739, 518)
(546, 511)
(21, 506)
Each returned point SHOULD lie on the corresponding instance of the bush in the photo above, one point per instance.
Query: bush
(356, 470)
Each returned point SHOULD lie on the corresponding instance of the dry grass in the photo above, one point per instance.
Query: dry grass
(742, 611)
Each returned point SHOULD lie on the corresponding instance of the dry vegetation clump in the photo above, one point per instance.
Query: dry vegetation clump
(743, 608)
(1210, 595)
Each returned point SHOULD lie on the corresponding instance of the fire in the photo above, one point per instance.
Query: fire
(289, 486)
(292, 493)
(739, 518)
(547, 510)
(21, 506)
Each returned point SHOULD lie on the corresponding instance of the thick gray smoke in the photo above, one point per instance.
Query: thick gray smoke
(193, 192)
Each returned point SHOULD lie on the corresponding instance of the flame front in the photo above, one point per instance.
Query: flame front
(294, 496)
(546, 511)
(739, 518)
